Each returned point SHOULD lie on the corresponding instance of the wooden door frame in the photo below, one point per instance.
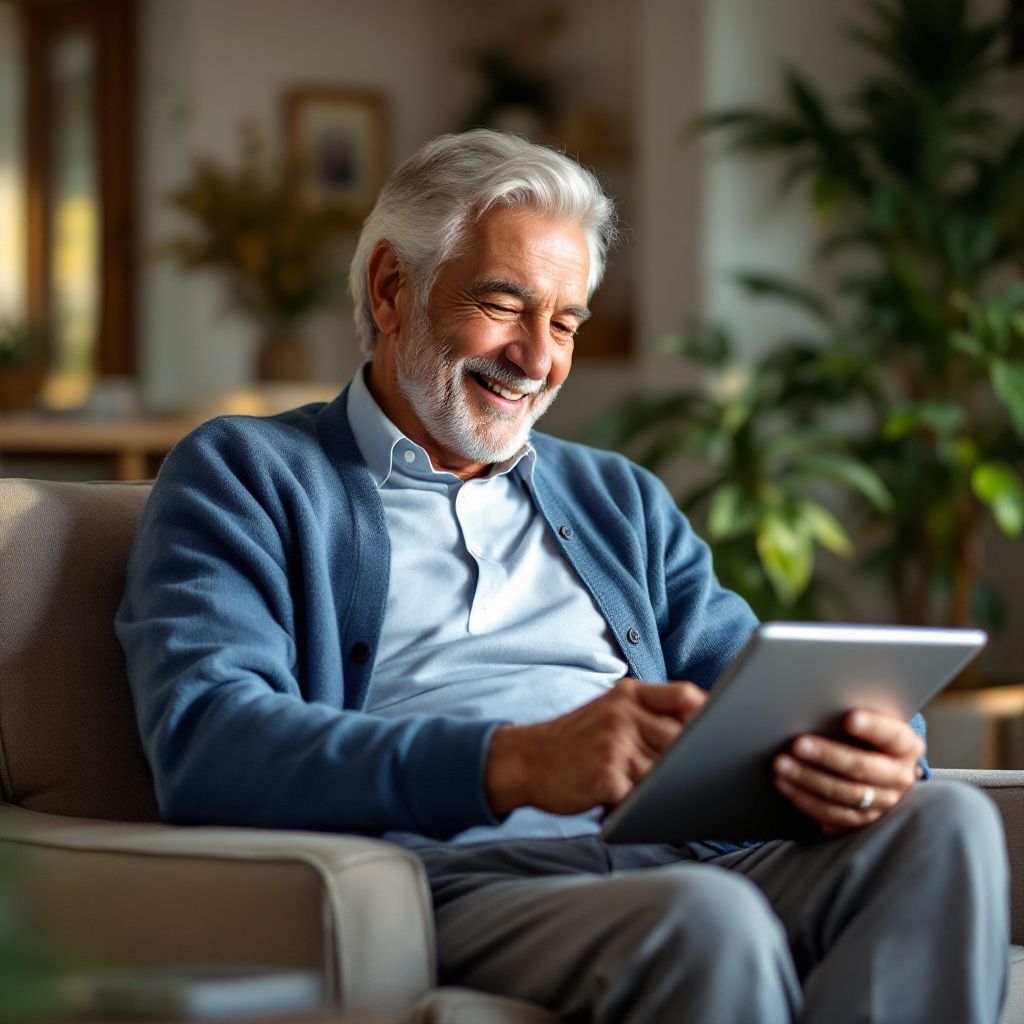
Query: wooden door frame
(112, 26)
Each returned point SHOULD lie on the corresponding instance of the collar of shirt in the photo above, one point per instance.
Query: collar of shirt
(387, 451)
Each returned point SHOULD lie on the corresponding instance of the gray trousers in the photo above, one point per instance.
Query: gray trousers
(906, 920)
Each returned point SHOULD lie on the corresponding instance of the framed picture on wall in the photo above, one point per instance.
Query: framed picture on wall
(338, 137)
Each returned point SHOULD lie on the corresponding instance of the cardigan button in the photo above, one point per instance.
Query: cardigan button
(360, 652)
(633, 636)
(565, 532)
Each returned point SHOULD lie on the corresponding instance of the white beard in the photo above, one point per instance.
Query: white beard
(437, 385)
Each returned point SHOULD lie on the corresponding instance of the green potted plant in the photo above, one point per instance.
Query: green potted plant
(919, 178)
(761, 471)
(250, 225)
(920, 174)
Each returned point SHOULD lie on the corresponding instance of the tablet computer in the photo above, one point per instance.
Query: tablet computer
(716, 781)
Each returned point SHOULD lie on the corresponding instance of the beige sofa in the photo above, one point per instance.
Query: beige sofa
(99, 872)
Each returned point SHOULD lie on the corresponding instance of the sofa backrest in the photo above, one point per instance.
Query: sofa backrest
(68, 741)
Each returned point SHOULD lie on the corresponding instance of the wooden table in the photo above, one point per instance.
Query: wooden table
(131, 448)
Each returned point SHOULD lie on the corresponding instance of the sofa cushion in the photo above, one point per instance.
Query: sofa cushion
(1006, 788)
(1013, 1011)
(68, 740)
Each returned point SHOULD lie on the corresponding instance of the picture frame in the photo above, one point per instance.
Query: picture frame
(338, 137)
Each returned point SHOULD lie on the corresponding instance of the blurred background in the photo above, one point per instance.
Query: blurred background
(814, 330)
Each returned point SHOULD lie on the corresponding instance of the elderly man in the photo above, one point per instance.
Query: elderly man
(403, 614)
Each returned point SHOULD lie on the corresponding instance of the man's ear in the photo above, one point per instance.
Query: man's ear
(384, 279)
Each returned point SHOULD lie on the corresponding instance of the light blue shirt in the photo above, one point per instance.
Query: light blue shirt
(485, 618)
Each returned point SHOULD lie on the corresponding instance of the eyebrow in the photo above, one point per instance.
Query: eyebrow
(519, 291)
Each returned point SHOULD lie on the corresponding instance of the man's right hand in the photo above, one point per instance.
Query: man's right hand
(591, 756)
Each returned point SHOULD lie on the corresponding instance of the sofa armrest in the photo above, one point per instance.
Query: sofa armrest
(1006, 788)
(356, 910)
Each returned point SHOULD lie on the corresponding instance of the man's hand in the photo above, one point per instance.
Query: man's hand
(843, 787)
(593, 755)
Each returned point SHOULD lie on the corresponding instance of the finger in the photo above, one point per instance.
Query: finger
(679, 699)
(642, 761)
(833, 789)
(833, 818)
(886, 733)
(658, 732)
(621, 776)
(855, 763)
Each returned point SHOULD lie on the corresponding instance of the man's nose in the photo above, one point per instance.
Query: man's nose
(531, 348)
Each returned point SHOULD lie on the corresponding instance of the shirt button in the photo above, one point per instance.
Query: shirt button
(565, 532)
(360, 652)
(633, 636)
(409, 457)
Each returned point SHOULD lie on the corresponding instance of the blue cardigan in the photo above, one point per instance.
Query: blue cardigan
(254, 598)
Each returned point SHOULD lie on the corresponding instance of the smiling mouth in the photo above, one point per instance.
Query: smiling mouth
(499, 389)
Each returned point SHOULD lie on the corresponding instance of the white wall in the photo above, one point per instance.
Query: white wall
(207, 65)
(748, 224)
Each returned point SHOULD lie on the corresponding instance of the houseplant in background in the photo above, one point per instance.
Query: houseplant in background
(918, 180)
(251, 227)
(763, 471)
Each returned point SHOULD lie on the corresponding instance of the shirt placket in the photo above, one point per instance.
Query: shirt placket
(470, 510)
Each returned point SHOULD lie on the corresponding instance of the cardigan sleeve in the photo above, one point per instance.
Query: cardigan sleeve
(702, 624)
(208, 623)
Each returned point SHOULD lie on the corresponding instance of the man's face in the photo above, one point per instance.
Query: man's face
(472, 373)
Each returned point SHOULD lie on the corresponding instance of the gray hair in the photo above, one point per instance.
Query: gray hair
(429, 202)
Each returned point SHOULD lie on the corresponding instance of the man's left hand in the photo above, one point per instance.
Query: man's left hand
(843, 787)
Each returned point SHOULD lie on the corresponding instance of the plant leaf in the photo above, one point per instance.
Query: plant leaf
(942, 418)
(731, 512)
(1008, 383)
(838, 467)
(825, 529)
(787, 554)
(999, 486)
(967, 343)
(775, 286)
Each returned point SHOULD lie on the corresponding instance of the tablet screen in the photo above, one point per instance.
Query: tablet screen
(716, 780)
